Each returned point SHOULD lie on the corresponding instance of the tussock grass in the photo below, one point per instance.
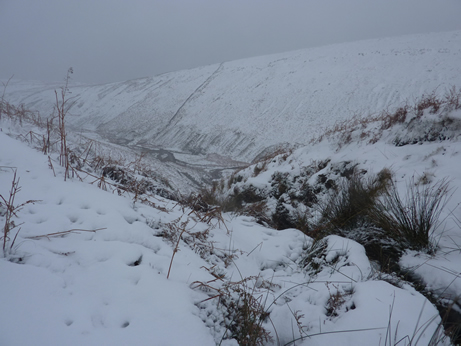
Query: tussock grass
(351, 205)
(412, 218)
(375, 204)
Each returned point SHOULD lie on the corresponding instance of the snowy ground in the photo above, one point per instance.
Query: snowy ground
(104, 279)
(95, 267)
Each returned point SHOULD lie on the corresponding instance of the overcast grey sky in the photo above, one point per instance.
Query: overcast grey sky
(114, 40)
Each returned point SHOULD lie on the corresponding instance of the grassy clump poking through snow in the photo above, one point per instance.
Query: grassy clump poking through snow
(351, 205)
(315, 252)
(243, 307)
(245, 315)
(8, 210)
(412, 218)
(244, 201)
(375, 205)
(204, 199)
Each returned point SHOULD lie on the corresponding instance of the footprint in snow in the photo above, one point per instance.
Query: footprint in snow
(73, 218)
(68, 322)
(130, 219)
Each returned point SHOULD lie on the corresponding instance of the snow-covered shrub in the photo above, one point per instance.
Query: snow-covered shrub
(208, 198)
(145, 181)
(281, 218)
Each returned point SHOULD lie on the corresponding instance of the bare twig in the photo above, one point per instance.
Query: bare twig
(176, 248)
(58, 234)
(62, 108)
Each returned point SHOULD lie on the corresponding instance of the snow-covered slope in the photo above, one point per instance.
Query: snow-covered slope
(239, 108)
(89, 267)
(93, 267)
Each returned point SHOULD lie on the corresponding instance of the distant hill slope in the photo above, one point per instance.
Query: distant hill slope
(240, 108)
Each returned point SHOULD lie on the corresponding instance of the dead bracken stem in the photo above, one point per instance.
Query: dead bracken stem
(50, 164)
(3, 96)
(62, 109)
(59, 234)
(10, 212)
(176, 248)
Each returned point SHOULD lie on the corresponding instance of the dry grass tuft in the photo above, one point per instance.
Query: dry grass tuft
(8, 209)
(243, 307)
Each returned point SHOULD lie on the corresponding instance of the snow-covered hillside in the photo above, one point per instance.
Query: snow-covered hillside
(90, 267)
(240, 108)
(309, 251)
